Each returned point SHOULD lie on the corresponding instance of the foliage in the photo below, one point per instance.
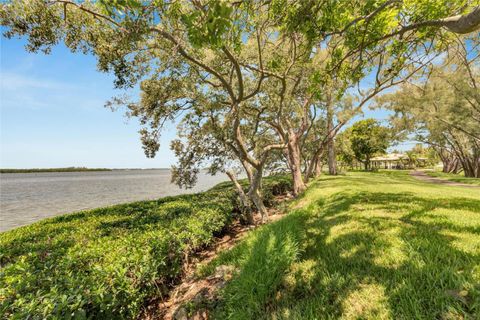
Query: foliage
(344, 149)
(274, 186)
(247, 80)
(250, 76)
(355, 247)
(367, 138)
(443, 110)
(422, 156)
(106, 263)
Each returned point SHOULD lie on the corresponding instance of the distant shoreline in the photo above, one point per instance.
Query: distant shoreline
(68, 169)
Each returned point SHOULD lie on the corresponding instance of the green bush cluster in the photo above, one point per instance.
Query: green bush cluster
(275, 186)
(106, 263)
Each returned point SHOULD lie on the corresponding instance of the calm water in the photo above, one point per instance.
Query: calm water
(29, 197)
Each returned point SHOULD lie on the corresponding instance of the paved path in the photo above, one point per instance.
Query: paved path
(420, 175)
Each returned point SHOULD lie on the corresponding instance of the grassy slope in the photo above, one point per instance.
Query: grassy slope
(106, 263)
(454, 177)
(362, 246)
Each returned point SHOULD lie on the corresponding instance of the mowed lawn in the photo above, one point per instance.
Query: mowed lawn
(361, 246)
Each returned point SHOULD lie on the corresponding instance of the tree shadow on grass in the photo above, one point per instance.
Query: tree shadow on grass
(365, 255)
(422, 284)
(262, 261)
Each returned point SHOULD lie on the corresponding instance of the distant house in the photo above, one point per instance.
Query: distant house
(397, 161)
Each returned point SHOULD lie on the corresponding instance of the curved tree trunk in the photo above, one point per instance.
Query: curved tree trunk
(255, 194)
(248, 170)
(451, 165)
(314, 168)
(245, 203)
(295, 163)
(450, 162)
(471, 166)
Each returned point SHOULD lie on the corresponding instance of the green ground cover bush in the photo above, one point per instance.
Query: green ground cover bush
(454, 177)
(361, 246)
(105, 263)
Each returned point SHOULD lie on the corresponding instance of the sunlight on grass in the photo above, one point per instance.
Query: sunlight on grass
(368, 301)
(362, 246)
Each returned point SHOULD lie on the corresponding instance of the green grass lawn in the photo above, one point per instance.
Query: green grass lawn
(361, 246)
(454, 177)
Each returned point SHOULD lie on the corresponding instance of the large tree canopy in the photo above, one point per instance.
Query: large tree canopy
(443, 109)
(250, 81)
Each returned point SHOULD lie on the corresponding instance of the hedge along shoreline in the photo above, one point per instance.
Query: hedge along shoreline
(105, 263)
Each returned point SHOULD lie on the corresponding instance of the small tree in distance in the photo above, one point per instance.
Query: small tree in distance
(368, 138)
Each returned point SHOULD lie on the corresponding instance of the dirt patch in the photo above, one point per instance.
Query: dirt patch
(421, 175)
(190, 298)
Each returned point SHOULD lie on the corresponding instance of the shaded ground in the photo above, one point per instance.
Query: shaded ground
(421, 175)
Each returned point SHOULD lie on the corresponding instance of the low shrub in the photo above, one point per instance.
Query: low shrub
(275, 186)
(105, 263)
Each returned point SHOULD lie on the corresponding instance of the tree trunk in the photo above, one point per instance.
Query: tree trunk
(254, 193)
(471, 167)
(366, 163)
(318, 167)
(246, 209)
(446, 166)
(332, 161)
(314, 167)
(295, 164)
(248, 170)
(450, 162)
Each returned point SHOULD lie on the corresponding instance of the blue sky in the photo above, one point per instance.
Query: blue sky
(53, 114)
